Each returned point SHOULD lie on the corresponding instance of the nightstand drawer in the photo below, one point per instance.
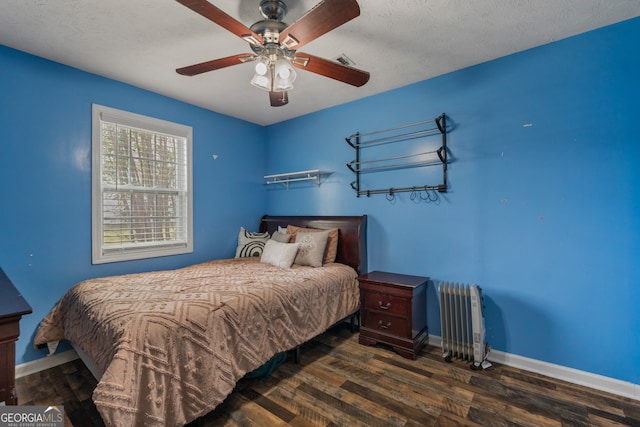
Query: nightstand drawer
(386, 324)
(386, 303)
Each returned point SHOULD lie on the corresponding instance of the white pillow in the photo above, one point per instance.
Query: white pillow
(281, 237)
(279, 254)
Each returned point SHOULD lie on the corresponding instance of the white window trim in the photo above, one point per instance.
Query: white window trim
(102, 113)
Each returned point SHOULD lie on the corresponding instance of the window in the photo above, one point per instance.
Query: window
(141, 187)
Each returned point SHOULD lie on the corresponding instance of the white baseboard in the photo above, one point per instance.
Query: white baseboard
(575, 376)
(29, 368)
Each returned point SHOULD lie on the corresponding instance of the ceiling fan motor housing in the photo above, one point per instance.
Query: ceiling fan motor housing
(273, 9)
(270, 28)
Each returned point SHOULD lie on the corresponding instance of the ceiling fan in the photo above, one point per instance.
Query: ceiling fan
(275, 44)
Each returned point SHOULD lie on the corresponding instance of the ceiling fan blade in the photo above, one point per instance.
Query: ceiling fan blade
(333, 70)
(215, 64)
(212, 13)
(324, 17)
(278, 99)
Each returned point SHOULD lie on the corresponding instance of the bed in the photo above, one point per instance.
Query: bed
(169, 346)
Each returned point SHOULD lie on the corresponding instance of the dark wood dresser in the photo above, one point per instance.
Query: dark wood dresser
(12, 308)
(394, 311)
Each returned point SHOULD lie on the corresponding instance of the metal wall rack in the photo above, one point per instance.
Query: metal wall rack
(358, 141)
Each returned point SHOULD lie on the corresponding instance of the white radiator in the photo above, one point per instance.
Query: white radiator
(462, 322)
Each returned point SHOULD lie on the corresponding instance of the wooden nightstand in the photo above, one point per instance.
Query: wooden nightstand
(394, 311)
(12, 308)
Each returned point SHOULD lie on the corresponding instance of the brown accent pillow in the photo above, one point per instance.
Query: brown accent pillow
(330, 252)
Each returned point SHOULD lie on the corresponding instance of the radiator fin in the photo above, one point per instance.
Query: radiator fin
(462, 322)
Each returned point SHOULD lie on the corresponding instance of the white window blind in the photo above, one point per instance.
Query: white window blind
(142, 183)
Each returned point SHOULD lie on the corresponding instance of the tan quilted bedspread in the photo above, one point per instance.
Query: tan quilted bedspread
(171, 345)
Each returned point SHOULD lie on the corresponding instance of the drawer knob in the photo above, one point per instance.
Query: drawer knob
(383, 325)
(387, 306)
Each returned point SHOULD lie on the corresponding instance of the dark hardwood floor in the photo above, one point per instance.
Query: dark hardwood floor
(342, 383)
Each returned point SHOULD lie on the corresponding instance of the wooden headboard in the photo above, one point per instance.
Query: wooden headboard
(352, 237)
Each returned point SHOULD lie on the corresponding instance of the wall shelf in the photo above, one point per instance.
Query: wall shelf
(286, 178)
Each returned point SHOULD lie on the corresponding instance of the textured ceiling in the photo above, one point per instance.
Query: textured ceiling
(399, 42)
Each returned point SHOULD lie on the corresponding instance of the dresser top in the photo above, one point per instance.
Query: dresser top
(386, 278)
(12, 303)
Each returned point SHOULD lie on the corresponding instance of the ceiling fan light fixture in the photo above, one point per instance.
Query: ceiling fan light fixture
(262, 81)
(284, 70)
(284, 75)
(280, 85)
(262, 67)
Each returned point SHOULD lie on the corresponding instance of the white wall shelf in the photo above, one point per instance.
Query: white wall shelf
(286, 178)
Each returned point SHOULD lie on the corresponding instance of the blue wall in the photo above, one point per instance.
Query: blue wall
(45, 170)
(543, 207)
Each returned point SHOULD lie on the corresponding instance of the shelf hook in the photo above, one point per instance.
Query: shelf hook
(391, 196)
(414, 194)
